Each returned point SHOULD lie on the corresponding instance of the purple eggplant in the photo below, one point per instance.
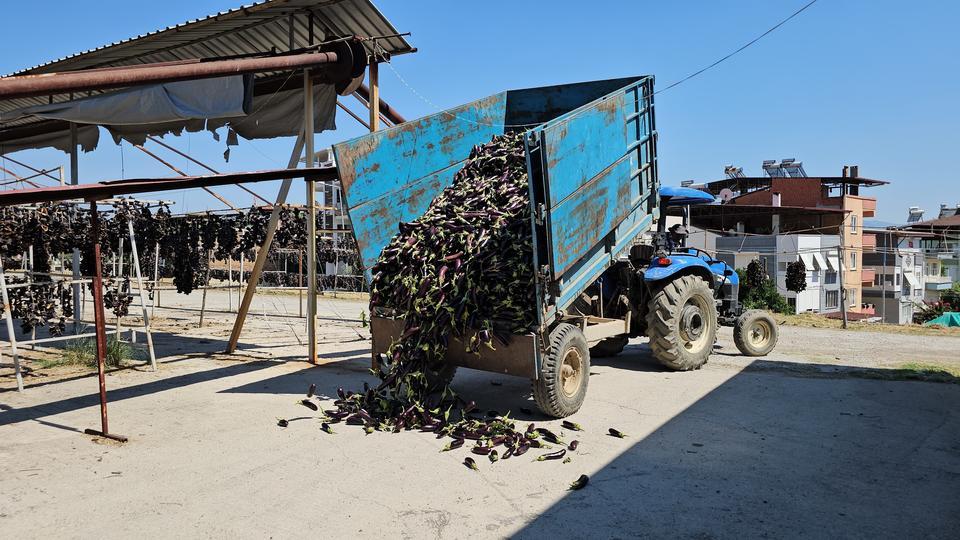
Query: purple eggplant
(552, 455)
(493, 456)
(480, 450)
(470, 463)
(616, 433)
(572, 426)
(311, 390)
(453, 445)
(326, 428)
(282, 423)
(579, 483)
(309, 404)
(573, 445)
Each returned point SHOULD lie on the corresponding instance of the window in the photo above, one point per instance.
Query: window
(833, 299)
(853, 260)
(852, 297)
(830, 277)
(782, 266)
(918, 292)
(815, 276)
(898, 279)
(853, 224)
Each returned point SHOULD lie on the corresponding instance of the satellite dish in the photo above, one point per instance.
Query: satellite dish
(726, 194)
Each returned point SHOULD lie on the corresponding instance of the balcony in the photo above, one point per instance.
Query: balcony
(867, 275)
(869, 207)
(869, 242)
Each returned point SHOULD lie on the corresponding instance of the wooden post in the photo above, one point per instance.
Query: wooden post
(206, 285)
(300, 280)
(308, 129)
(374, 101)
(244, 306)
(10, 330)
(143, 297)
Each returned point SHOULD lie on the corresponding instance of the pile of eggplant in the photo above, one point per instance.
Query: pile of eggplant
(463, 269)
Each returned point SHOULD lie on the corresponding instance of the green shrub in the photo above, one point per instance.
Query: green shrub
(84, 352)
(762, 294)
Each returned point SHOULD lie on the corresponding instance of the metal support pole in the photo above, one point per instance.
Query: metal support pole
(300, 280)
(308, 129)
(75, 180)
(100, 321)
(143, 298)
(119, 274)
(229, 283)
(8, 315)
(156, 278)
(244, 306)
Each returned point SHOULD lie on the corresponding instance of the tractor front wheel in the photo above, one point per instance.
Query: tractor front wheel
(682, 323)
(755, 333)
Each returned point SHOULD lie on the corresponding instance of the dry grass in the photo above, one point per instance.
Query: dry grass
(809, 320)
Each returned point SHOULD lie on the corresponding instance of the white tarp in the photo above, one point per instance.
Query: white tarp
(912, 280)
(135, 113)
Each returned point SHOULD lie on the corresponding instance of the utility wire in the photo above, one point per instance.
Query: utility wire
(741, 49)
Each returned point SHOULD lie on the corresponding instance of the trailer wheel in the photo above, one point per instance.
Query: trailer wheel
(564, 373)
(755, 333)
(608, 347)
(682, 323)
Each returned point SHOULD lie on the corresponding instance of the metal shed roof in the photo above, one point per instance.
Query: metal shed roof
(256, 28)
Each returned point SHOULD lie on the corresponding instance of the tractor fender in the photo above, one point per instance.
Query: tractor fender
(681, 266)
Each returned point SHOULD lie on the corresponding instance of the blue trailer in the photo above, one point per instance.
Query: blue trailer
(606, 267)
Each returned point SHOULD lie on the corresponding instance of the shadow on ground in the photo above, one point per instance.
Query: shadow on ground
(891, 470)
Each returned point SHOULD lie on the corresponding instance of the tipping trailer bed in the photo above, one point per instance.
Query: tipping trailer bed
(591, 159)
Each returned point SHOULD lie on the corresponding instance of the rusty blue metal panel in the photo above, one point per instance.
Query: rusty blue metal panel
(594, 163)
(391, 176)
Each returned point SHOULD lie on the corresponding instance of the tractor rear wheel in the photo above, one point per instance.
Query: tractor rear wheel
(564, 373)
(682, 323)
(755, 333)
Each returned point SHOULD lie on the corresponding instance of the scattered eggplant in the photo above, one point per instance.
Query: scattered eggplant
(552, 455)
(493, 456)
(325, 427)
(616, 433)
(311, 390)
(452, 445)
(470, 463)
(579, 483)
(572, 426)
(309, 404)
(573, 445)
(282, 423)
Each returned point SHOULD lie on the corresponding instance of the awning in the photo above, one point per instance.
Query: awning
(807, 261)
(834, 263)
(912, 280)
(821, 263)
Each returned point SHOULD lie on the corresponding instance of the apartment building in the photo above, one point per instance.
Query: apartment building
(818, 253)
(899, 272)
(940, 243)
(786, 187)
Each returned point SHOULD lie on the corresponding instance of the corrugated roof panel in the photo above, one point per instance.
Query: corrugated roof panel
(257, 27)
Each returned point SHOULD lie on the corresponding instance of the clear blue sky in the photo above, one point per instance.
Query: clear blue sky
(868, 82)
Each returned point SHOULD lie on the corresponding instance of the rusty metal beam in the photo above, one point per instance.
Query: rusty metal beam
(113, 188)
(205, 166)
(386, 110)
(79, 81)
(181, 173)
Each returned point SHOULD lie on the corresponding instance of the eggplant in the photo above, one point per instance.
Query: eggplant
(453, 445)
(470, 463)
(311, 390)
(579, 483)
(572, 426)
(549, 436)
(493, 456)
(573, 445)
(282, 423)
(552, 455)
(309, 404)
(616, 433)
(326, 428)
(481, 450)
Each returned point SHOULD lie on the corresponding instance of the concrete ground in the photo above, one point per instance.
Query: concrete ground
(804, 443)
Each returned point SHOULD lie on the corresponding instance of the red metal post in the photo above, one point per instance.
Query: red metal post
(100, 322)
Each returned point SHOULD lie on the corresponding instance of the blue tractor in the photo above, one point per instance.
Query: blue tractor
(676, 295)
